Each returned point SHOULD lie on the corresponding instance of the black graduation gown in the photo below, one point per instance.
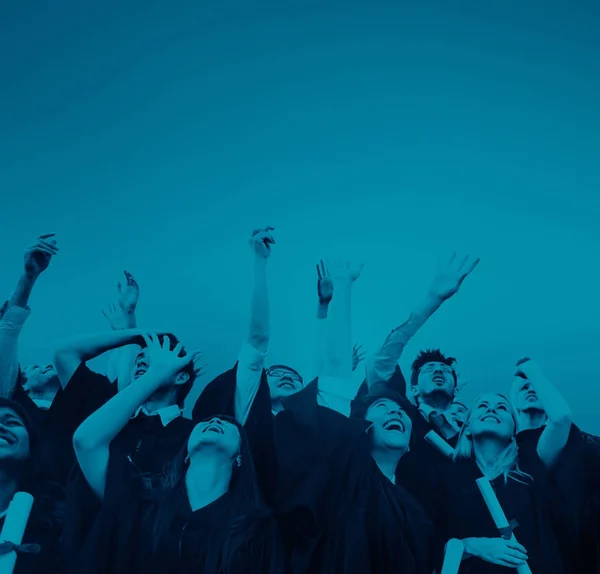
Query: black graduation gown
(365, 524)
(460, 512)
(574, 478)
(121, 539)
(50, 558)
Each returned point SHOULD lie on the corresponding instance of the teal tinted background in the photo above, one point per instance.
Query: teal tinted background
(154, 136)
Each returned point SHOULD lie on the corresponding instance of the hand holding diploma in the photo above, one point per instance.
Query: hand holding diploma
(13, 530)
(491, 501)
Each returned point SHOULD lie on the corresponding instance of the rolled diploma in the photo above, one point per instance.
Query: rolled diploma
(438, 442)
(15, 522)
(453, 556)
(491, 501)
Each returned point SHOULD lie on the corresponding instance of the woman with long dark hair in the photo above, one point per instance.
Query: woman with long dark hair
(204, 515)
(487, 447)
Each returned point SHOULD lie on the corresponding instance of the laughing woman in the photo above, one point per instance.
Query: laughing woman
(487, 448)
(206, 515)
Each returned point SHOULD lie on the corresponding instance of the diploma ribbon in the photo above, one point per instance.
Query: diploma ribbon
(7, 547)
(507, 531)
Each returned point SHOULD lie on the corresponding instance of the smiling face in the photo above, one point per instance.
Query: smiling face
(391, 426)
(491, 415)
(283, 382)
(38, 378)
(217, 434)
(435, 381)
(14, 437)
(525, 397)
(459, 413)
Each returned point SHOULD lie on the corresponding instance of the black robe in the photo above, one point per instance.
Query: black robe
(460, 512)
(121, 539)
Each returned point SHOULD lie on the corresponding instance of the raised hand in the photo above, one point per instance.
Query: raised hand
(324, 284)
(129, 293)
(507, 553)
(262, 241)
(527, 369)
(358, 356)
(450, 275)
(342, 271)
(114, 315)
(39, 255)
(163, 362)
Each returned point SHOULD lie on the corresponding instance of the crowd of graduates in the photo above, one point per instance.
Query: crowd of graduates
(278, 471)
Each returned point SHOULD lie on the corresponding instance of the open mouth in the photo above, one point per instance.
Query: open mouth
(490, 418)
(394, 425)
(139, 373)
(286, 385)
(439, 379)
(214, 428)
(7, 438)
(531, 396)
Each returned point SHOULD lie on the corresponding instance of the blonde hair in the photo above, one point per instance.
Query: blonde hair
(507, 462)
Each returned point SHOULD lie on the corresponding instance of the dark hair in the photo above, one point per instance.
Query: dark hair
(430, 356)
(184, 389)
(245, 504)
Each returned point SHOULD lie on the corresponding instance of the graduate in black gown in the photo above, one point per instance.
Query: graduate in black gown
(576, 473)
(487, 447)
(205, 516)
(39, 552)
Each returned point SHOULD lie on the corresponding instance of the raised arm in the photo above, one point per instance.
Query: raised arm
(324, 294)
(92, 439)
(448, 279)
(16, 310)
(252, 356)
(120, 316)
(338, 354)
(70, 353)
(556, 434)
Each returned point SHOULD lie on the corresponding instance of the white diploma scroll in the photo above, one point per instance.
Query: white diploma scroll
(453, 556)
(438, 442)
(13, 530)
(491, 501)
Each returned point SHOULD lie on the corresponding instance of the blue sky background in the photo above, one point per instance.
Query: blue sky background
(153, 136)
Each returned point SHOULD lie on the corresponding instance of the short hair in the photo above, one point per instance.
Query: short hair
(430, 356)
(184, 389)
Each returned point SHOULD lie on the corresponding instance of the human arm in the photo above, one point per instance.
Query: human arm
(324, 294)
(556, 433)
(92, 439)
(16, 310)
(448, 278)
(253, 353)
(121, 315)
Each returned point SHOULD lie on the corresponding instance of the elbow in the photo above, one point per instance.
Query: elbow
(83, 441)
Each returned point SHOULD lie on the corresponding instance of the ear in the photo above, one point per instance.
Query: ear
(414, 390)
(182, 378)
(238, 460)
(455, 391)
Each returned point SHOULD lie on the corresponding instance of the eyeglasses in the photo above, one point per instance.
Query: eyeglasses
(284, 373)
(432, 368)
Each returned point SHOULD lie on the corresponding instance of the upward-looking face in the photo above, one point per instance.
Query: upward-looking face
(491, 415)
(459, 412)
(525, 397)
(216, 434)
(283, 382)
(142, 364)
(14, 437)
(391, 426)
(435, 379)
(39, 378)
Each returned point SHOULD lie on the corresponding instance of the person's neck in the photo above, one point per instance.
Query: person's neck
(437, 402)
(532, 419)
(487, 449)
(46, 393)
(387, 460)
(207, 479)
(8, 487)
(161, 400)
(276, 406)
